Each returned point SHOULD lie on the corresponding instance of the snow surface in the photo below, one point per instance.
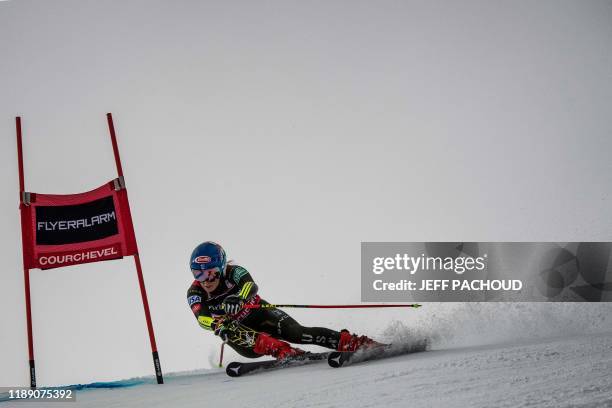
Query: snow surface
(572, 371)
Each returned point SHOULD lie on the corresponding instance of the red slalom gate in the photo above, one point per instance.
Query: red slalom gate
(59, 230)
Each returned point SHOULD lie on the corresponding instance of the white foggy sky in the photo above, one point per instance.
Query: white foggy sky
(289, 132)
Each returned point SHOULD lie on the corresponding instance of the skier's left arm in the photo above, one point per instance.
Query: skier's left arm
(247, 289)
(247, 286)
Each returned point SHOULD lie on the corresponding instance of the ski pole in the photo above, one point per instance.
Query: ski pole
(270, 306)
(221, 356)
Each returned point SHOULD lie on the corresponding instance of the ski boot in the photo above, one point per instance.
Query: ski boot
(352, 342)
(268, 345)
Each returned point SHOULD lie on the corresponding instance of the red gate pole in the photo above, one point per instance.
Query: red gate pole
(26, 271)
(143, 291)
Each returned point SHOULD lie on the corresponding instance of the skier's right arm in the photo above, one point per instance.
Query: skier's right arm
(199, 309)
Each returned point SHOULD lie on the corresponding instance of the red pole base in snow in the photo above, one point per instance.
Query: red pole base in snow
(32, 375)
(158, 371)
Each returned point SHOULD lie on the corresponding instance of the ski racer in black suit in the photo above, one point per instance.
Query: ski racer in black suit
(217, 298)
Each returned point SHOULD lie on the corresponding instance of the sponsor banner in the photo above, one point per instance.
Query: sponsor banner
(486, 271)
(58, 259)
(61, 230)
(68, 224)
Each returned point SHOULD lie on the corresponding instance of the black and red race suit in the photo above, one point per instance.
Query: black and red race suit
(237, 281)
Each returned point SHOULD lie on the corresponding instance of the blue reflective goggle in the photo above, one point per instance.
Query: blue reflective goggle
(206, 274)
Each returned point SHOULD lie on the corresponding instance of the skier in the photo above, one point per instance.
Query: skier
(217, 298)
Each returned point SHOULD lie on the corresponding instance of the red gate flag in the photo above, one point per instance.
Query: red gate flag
(63, 230)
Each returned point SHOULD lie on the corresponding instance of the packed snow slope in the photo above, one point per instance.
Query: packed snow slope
(572, 371)
(483, 355)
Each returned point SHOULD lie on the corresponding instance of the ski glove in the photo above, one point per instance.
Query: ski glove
(220, 328)
(232, 304)
(223, 332)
